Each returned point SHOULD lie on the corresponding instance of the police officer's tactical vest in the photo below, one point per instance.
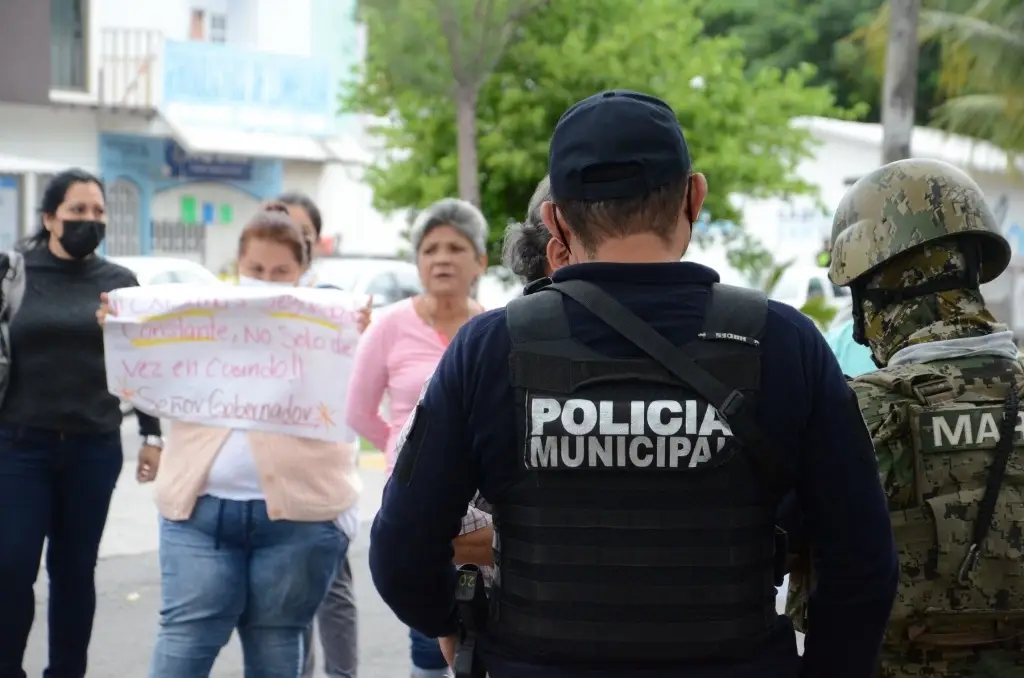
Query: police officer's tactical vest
(640, 530)
(961, 555)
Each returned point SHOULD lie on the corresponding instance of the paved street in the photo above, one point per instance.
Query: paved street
(128, 588)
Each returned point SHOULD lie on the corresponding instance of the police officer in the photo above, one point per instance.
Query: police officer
(913, 240)
(634, 425)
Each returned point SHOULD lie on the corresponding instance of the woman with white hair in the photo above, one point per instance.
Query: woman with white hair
(401, 348)
(528, 249)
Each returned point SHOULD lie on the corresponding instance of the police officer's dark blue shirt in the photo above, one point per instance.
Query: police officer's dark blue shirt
(805, 407)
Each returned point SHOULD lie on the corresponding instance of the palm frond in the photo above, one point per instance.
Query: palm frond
(998, 118)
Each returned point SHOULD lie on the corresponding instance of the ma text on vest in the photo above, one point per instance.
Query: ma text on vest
(965, 429)
(581, 433)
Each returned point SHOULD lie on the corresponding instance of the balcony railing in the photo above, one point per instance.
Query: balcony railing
(129, 67)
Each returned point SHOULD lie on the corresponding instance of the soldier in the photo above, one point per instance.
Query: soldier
(914, 240)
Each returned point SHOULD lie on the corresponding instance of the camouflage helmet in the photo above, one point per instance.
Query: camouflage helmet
(905, 204)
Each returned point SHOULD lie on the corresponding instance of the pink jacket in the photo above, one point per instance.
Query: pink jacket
(396, 355)
(303, 479)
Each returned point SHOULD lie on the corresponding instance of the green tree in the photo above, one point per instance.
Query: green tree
(978, 65)
(737, 123)
(445, 47)
(787, 33)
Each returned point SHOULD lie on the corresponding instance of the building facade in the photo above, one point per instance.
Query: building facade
(192, 111)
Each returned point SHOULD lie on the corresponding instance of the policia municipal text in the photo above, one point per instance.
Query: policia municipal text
(634, 425)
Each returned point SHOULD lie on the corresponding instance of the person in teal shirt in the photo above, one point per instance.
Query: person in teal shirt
(853, 358)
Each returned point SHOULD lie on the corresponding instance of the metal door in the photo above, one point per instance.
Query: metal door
(124, 237)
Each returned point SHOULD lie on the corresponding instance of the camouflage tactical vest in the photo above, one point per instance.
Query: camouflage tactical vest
(950, 421)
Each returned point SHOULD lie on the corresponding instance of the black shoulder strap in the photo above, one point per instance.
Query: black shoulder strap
(539, 319)
(735, 310)
(539, 316)
(730, 403)
(993, 483)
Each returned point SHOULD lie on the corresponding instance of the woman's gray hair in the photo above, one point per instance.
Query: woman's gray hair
(463, 216)
(525, 250)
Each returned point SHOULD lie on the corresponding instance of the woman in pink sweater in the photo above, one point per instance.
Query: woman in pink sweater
(400, 350)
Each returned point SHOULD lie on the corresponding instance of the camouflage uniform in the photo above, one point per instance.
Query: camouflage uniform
(923, 228)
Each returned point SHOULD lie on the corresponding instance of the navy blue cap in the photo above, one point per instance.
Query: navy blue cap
(614, 145)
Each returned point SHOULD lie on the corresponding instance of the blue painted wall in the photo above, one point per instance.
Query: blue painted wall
(144, 162)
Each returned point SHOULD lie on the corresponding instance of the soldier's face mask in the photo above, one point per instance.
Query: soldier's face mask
(927, 295)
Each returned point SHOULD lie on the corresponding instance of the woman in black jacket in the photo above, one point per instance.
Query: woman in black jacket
(60, 429)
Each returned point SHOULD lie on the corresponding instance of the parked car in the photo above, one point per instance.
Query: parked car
(388, 280)
(163, 270)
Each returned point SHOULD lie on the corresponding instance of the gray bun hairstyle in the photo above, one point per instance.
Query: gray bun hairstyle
(463, 216)
(524, 251)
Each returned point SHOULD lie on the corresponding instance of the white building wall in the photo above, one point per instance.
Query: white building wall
(304, 177)
(797, 226)
(243, 23)
(284, 27)
(37, 140)
(347, 206)
(63, 136)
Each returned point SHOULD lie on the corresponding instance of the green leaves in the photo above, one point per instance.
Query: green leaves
(736, 123)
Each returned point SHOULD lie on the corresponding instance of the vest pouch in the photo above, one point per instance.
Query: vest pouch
(914, 530)
(994, 584)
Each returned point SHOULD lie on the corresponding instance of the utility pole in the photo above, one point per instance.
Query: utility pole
(899, 89)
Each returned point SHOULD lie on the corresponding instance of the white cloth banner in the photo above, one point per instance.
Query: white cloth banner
(269, 359)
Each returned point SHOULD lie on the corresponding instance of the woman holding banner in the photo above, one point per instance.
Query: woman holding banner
(250, 534)
(399, 352)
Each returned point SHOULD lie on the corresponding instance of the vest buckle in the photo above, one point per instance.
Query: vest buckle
(733, 404)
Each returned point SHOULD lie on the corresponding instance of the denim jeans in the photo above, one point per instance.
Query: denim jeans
(229, 567)
(55, 487)
(427, 660)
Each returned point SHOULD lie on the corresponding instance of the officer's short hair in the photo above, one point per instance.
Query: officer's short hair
(463, 216)
(619, 166)
(525, 249)
(656, 211)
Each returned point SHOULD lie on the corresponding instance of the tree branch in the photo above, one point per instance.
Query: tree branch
(451, 29)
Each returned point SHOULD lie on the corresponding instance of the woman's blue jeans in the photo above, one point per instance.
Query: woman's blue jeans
(230, 567)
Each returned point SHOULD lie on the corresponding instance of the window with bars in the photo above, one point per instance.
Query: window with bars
(218, 28)
(68, 44)
(175, 237)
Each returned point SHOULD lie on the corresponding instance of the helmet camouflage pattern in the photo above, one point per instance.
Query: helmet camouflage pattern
(905, 204)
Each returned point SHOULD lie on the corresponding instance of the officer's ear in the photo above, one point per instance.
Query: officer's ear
(547, 215)
(695, 195)
(557, 255)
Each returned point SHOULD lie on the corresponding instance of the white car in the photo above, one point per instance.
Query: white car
(388, 280)
(163, 270)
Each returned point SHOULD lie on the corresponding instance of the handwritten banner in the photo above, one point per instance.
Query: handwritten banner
(269, 359)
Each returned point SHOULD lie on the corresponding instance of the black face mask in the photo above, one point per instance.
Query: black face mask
(81, 237)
